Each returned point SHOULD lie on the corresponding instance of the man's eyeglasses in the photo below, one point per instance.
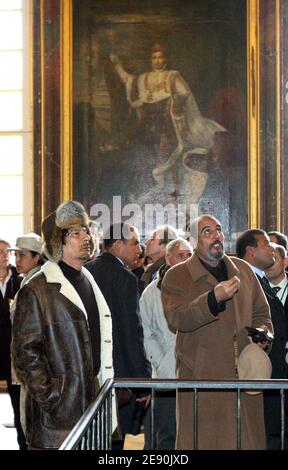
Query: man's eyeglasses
(76, 232)
(4, 252)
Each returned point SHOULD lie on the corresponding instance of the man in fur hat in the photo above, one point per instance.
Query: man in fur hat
(62, 332)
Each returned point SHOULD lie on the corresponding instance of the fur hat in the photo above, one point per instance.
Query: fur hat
(70, 214)
(254, 363)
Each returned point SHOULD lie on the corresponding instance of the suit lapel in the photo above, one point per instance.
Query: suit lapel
(267, 289)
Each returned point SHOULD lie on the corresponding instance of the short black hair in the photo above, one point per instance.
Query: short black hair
(118, 231)
(41, 260)
(280, 237)
(247, 238)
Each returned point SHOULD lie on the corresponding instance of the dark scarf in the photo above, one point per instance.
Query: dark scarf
(161, 273)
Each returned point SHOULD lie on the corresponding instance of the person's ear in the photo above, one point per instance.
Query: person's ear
(117, 245)
(167, 259)
(250, 251)
(37, 259)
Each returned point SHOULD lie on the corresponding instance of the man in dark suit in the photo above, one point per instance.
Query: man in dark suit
(278, 278)
(255, 247)
(120, 289)
(277, 275)
(279, 238)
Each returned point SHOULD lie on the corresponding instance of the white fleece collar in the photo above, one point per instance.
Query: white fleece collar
(53, 274)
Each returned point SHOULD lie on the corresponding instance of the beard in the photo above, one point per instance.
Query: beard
(86, 253)
(219, 254)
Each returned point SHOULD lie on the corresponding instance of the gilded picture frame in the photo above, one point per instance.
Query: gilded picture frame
(247, 197)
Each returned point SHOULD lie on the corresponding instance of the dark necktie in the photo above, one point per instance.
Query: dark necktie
(276, 289)
(265, 283)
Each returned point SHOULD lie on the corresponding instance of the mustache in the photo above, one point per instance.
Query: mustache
(85, 245)
(217, 242)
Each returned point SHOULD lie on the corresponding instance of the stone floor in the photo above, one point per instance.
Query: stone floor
(8, 440)
(134, 442)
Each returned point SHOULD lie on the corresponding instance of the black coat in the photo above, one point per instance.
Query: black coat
(277, 356)
(120, 289)
(13, 286)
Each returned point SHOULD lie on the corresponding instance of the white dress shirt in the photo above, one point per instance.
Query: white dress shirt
(282, 293)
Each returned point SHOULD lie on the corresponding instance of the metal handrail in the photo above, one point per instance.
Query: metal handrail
(271, 384)
(76, 434)
(75, 437)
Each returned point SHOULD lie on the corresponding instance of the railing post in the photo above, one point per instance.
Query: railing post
(152, 426)
(102, 427)
(195, 419)
(282, 395)
(94, 434)
(109, 440)
(238, 418)
(98, 429)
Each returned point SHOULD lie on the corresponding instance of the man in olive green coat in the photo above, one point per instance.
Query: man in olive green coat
(209, 299)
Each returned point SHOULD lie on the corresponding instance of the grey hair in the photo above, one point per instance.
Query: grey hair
(181, 242)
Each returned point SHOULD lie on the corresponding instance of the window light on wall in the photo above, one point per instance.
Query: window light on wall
(14, 118)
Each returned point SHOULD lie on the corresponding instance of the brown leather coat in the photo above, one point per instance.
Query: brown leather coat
(205, 350)
(52, 353)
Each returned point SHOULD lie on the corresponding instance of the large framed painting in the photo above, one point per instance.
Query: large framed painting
(161, 105)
